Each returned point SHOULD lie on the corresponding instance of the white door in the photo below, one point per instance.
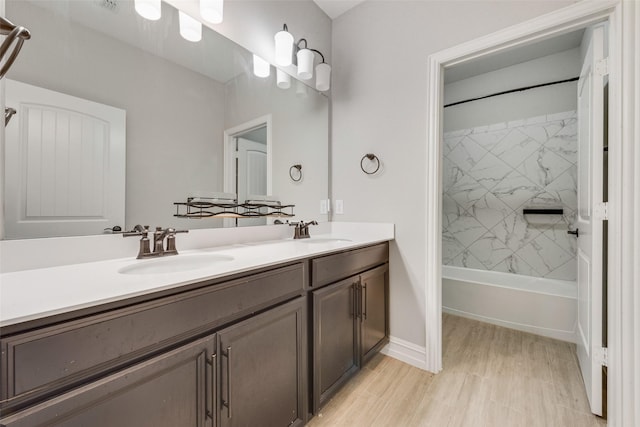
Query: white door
(64, 164)
(251, 174)
(589, 219)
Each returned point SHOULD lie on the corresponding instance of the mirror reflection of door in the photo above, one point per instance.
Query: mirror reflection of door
(251, 169)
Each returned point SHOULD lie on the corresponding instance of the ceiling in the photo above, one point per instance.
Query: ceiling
(488, 63)
(335, 8)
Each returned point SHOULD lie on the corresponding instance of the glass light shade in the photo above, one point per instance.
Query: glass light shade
(190, 29)
(284, 48)
(305, 64)
(301, 89)
(211, 10)
(148, 9)
(284, 80)
(323, 76)
(261, 68)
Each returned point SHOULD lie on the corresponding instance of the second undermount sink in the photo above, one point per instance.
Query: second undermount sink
(175, 264)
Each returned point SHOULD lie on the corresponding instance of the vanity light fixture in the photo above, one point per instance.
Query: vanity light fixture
(261, 68)
(190, 28)
(148, 9)
(285, 48)
(283, 79)
(211, 10)
(323, 76)
(305, 63)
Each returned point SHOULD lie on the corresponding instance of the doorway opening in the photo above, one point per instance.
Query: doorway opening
(247, 154)
(543, 28)
(517, 186)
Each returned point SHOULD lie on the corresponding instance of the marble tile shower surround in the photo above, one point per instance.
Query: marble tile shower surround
(490, 174)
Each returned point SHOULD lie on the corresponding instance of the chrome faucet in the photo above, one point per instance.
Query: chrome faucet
(159, 237)
(302, 229)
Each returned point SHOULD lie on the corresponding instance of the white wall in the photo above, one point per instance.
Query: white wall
(517, 105)
(380, 51)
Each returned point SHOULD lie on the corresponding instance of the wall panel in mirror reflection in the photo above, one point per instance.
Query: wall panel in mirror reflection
(179, 98)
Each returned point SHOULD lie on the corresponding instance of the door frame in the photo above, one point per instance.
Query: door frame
(228, 180)
(624, 179)
(229, 149)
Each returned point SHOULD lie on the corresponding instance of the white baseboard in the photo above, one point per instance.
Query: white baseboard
(568, 336)
(406, 352)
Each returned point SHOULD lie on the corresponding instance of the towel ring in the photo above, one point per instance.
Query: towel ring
(15, 34)
(371, 157)
(293, 174)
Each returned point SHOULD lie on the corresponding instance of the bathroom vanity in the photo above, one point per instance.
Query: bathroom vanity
(245, 346)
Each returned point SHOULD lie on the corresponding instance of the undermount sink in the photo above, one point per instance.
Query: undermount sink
(324, 240)
(175, 264)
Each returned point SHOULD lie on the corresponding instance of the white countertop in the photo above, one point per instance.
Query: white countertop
(32, 294)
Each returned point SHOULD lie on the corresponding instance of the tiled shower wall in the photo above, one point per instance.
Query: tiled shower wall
(490, 174)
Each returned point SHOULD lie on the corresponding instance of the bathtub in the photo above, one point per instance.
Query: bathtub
(541, 306)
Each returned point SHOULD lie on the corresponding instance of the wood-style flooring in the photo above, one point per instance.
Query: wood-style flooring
(492, 376)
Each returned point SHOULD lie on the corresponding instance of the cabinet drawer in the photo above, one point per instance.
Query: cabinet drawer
(138, 396)
(331, 268)
(50, 358)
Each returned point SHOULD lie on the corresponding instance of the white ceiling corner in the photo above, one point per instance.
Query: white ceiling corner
(335, 8)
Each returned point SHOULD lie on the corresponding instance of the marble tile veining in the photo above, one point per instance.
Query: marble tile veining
(466, 229)
(491, 173)
(544, 255)
(514, 148)
(467, 192)
(467, 153)
(543, 167)
(467, 260)
(515, 232)
(515, 190)
(489, 250)
(489, 210)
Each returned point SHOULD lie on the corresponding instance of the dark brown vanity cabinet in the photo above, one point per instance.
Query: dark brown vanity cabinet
(230, 353)
(175, 389)
(335, 354)
(253, 376)
(233, 351)
(262, 369)
(373, 313)
(350, 318)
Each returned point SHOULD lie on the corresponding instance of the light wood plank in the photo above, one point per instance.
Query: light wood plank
(492, 376)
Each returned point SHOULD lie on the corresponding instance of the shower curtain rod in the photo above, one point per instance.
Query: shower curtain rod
(512, 90)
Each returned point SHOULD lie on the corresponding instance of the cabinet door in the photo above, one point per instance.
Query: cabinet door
(335, 354)
(262, 369)
(172, 390)
(374, 311)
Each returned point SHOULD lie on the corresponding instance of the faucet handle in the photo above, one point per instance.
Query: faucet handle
(171, 240)
(138, 230)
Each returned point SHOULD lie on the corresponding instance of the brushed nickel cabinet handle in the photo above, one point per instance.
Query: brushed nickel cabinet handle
(227, 403)
(364, 298)
(359, 299)
(214, 389)
(352, 300)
